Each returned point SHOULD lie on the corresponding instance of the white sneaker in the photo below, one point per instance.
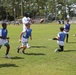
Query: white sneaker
(56, 50)
(7, 56)
(74, 35)
(28, 46)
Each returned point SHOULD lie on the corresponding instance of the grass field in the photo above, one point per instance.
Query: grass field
(40, 59)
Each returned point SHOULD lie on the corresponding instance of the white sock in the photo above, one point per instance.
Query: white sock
(27, 45)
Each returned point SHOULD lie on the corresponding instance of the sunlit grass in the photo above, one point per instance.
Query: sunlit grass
(40, 59)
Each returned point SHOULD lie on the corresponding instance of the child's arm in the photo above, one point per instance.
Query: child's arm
(20, 36)
(31, 37)
(56, 38)
(4, 37)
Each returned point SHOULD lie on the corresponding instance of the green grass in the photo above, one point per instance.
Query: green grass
(40, 59)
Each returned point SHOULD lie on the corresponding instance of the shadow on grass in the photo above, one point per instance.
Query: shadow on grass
(71, 42)
(17, 57)
(34, 54)
(8, 65)
(38, 47)
(70, 51)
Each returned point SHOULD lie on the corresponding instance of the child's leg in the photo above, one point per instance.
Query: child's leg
(61, 48)
(0, 46)
(18, 49)
(23, 51)
(8, 48)
(24, 46)
(67, 36)
(28, 46)
(21, 47)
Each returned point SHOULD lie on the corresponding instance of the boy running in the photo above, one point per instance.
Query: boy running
(26, 19)
(24, 38)
(4, 40)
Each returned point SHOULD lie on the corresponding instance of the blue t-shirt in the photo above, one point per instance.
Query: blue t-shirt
(3, 33)
(61, 36)
(67, 26)
(27, 33)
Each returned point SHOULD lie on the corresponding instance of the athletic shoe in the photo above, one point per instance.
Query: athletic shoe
(56, 50)
(23, 52)
(66, 41)
(6, 56)
(18, 50)
(74, 35)
(28, 46)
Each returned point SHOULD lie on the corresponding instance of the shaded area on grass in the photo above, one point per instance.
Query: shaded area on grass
(34, 53)
(38, 47)
(70, 51)
(71, 42)
(16, 57)
(8, 65)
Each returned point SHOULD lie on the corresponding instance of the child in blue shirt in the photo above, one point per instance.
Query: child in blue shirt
(60, 40)
(4, 39)
(66, 30)
(24, 36)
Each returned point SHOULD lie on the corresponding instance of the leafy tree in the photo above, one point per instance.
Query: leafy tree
(37, 7)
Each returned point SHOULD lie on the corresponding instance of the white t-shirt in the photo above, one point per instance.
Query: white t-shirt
(25, 20)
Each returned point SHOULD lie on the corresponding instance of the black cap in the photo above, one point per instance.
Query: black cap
(27, 14)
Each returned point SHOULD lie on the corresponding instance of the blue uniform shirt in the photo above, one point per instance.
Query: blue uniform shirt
(61, 36)
(27, 33)
(3, 33)
(67, 26)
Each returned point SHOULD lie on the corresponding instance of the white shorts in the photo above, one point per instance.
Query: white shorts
(24, 42)
(66, 32)
(61, 43)
(3, 42)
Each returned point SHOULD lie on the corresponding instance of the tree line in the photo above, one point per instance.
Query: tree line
(15, 9)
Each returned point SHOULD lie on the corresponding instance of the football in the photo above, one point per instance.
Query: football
(41, 20)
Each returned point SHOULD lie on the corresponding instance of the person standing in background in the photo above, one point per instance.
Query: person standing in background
(67, 29)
